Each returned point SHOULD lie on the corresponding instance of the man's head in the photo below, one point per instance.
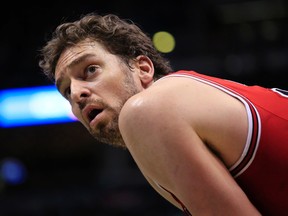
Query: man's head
(98, 63)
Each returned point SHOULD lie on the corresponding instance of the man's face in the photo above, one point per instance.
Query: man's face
(97, 84)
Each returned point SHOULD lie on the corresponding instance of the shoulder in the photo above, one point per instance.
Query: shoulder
(160, 118)
(186, 106)
(161, 100)
(144, 111)
(154, 126)
(167, 128)
(173, 100)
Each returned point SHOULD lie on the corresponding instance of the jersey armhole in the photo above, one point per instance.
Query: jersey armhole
(252, 141)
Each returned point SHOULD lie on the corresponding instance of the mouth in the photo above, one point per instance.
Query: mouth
(91, 112)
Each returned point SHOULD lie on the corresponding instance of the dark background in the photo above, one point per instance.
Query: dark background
(68, 172)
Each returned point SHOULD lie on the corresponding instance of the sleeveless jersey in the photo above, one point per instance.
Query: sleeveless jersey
(262, 170)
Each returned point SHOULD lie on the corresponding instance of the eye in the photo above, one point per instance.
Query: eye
(92, 69)
(67, 93)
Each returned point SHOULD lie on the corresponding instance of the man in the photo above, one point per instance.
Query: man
(209, 146)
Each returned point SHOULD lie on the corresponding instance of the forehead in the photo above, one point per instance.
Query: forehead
(73, 54)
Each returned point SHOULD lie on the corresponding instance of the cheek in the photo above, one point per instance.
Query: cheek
(76, 113)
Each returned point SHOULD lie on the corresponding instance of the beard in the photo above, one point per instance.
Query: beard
(108, 132)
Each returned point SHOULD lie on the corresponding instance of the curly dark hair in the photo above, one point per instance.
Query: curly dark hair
(120, 37)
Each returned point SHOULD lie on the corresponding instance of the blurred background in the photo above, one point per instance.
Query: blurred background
(58, 169)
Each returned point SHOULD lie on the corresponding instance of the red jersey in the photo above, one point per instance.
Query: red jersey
(262, 170)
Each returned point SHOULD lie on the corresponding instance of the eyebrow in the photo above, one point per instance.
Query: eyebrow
(76, 61)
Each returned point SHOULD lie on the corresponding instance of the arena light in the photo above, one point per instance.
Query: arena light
(32, 106)
(164, 41)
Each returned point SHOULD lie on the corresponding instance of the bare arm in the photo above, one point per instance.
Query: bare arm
(167, 147)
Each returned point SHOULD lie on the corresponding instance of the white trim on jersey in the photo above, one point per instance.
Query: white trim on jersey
(245, 101)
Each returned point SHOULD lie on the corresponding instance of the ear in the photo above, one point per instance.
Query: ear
(146, 70)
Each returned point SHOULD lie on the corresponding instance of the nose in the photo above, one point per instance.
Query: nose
(78, 91)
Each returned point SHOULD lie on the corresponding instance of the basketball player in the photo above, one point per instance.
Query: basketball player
(207, 145)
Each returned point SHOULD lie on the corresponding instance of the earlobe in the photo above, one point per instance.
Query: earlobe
(146, 70)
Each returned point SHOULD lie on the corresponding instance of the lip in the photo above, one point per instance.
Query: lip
(86, 111)
(95, 121)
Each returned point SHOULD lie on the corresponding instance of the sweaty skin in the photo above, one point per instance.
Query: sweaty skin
(171, 146)
(175, 150)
